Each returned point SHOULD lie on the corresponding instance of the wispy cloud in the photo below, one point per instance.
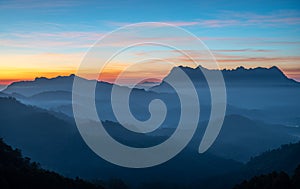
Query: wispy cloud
(156, 24)
(30, 4)
(286, 17)
(230, 18)
(49, 40)
(244, 50)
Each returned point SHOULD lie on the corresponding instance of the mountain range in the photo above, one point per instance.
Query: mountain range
(262, 114)
(58, 146)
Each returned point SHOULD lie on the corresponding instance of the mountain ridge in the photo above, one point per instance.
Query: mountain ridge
(240, 71)
(237, 69)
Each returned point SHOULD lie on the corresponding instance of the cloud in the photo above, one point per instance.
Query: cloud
(286, 17)
(49, 40)
(233, 18)
(31, 4)
(244, 50)
(157, 24)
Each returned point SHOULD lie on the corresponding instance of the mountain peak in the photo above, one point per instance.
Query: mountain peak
(71, 76)
(241, 68)
(259, 76)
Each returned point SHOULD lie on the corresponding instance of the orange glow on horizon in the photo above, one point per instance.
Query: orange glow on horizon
(108, 75)
(9, 76)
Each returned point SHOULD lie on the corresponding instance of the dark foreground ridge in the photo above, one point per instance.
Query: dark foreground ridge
(19, 172)
(274, 180)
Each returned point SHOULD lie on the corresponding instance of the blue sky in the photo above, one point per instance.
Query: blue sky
(52, 36)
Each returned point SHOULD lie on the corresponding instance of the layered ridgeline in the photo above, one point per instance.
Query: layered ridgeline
(258, 93)
(262, 106)
(262, 113)
(57, 145)
(240, 76)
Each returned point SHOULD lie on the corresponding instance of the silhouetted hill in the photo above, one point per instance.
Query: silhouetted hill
(42, 84)
(19, 172)
(286, 158)
(244, 134)
(266, 90)
(256, 88)
(273, 180)
(240, 76)
(242, 138)
(56, 95)
(40, 134)
(257, 76)
(58, 146)
(278, 164)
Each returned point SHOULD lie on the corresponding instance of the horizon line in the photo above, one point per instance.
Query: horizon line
(147, 80)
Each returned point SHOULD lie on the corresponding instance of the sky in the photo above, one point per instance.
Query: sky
(51, 38)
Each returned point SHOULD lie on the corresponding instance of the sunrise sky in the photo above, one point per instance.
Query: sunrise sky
(50, 38)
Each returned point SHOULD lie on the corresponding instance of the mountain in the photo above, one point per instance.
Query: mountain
(19, 172)
(272, 180)
(242, 138)
(250, 92)
(56, 95)
(285, 158)
(258, 118)
(239, 77)
(276, 165)
(58, 84)
(269, 114)
(42, 84)
(259, 76)
(258, 93)
(39, 133)
(262, 170)
(58, 146)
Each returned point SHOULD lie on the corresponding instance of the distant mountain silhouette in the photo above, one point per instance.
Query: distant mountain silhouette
(262, 113)
(239, 77)
(257, 76)
(42, 84)
(257, 110)
(56, 94)
(19, 172)
(247, 89)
